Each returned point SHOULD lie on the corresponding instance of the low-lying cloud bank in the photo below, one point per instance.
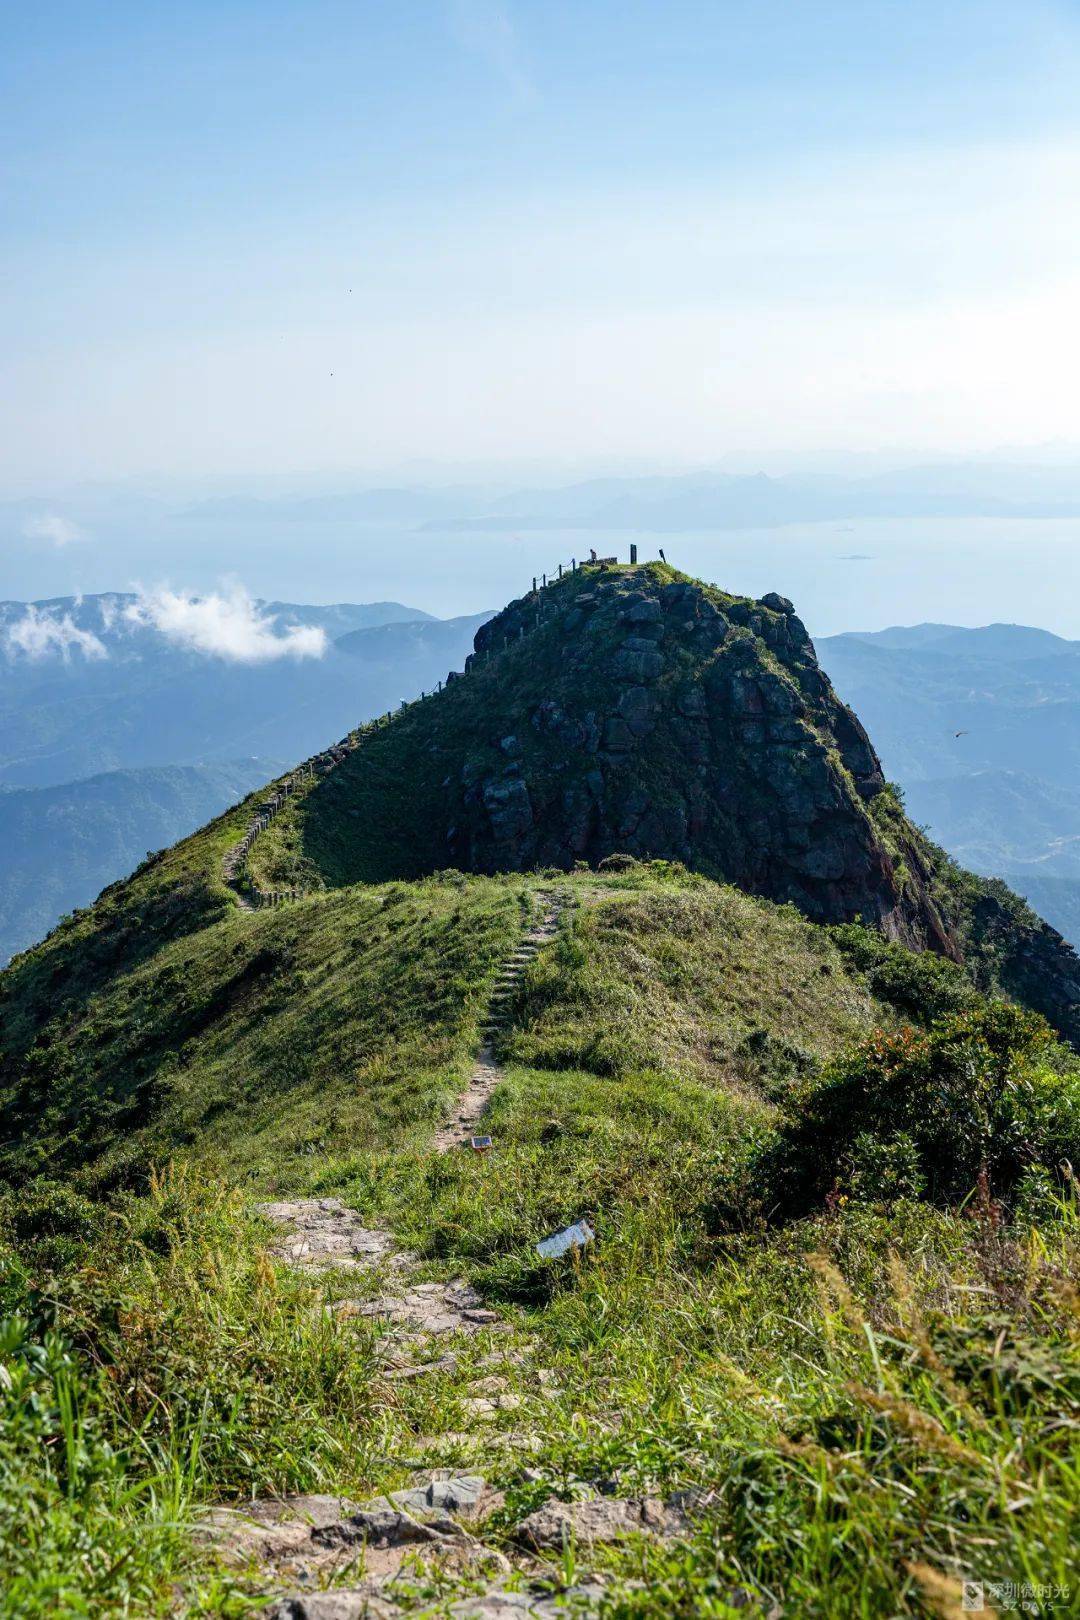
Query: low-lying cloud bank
(226, 624)
(37, 634)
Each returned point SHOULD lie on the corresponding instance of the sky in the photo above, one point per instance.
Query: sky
(276, 240)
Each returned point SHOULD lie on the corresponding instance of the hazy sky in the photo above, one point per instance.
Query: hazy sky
(291, 235)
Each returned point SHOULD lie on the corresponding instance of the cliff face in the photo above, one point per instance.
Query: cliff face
(632, 710)
(681, 723)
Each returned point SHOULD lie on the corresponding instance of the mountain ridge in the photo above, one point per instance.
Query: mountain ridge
(633, 711)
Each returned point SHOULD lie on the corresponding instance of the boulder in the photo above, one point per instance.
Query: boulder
(384, 1527)
(359, 1603)
(617, 735)
(644, 610)
(637, 660)
(464, 1496)
(691, 703)
(509, 808)
(639, 708)
(604, 1519)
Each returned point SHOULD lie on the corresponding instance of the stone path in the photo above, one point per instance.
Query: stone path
(234, 860)
(320, 1232)
(487, 1071)
(331, 1558)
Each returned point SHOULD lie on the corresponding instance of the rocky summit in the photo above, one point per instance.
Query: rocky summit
(680, 722)
(633, 711)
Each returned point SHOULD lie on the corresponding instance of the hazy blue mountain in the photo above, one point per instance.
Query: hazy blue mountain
(60, 846)
(83, 689)
(1013, 642)
(981, 728)
(240, 525)
(341, 617)
(1056, 899)
(994, 821)
(723, 501)
(406, 651)
(956, 704)
(387, 505)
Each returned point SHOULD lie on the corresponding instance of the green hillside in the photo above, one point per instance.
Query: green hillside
(635, 710)
(350, 1017)
(827, 1325)
(60, 846)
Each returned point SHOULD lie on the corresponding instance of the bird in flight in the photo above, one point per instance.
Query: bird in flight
(960, 733)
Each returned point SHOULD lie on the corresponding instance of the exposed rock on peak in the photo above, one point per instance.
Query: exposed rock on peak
(634, 710)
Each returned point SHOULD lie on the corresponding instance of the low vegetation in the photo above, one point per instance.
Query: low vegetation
(833, 1288)
(260, 1040)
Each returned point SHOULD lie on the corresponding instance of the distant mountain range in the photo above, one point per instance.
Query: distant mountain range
(981, 728)
(139, 737)
(698, 500)
(116, 738)
(60, 846)
(86, 687)
(708, 499)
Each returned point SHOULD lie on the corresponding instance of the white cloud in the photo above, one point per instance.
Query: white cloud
(227, 624)
(38, 634)
(51, 526)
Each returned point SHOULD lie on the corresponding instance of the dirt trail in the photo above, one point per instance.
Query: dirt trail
(487, 1071)
(436, 1526)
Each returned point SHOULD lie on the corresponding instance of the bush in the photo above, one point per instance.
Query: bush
(918, 984)
(49, 1221)
(931, 1113)
(618, 863)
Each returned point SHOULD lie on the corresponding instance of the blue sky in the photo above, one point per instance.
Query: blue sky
(272, 239)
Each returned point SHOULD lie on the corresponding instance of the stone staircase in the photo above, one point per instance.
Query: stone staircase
(487, 1071)
(508, 980)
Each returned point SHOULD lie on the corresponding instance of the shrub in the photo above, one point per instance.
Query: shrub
(918, 984)
(49, 1221)
(618, 863)
(931, 1113)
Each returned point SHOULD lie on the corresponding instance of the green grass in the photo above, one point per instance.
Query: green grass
(263, 1039)
(882, 1397)
(880, 1402)
(662, 970)
(160, 1363)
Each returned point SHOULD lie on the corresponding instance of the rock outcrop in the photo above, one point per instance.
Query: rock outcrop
(681, 723)
(633, 711)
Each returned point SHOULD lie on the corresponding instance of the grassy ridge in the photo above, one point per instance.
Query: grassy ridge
(261, 1038)
(877, 1398)
(669, 972)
